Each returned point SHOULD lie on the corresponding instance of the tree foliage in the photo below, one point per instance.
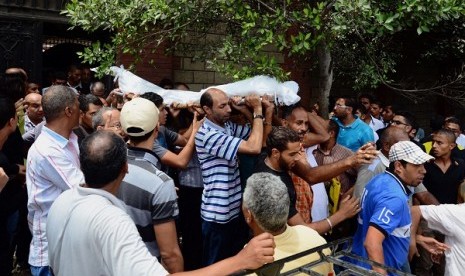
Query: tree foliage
(364, 37)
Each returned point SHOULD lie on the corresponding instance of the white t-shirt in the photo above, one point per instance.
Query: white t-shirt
(320, 209)
(449, 219)
(89, 233)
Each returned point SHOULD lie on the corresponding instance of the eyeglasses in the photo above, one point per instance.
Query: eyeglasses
(395, 122)
(340, 106)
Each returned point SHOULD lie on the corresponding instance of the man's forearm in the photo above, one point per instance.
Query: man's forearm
(320, 173)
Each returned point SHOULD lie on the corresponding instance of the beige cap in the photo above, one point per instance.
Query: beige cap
(409, 152)
(139, 117)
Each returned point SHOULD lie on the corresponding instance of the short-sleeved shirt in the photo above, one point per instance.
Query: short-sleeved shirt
(385, 207)
(217, 148)
(166, 137)
(165, 140)
(285, 178)
(149, 194)
(369, 171)
(448, 219)
(355, 135)
(90, 233)
(444, 186)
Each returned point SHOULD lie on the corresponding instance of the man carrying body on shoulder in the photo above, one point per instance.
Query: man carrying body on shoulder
(90, 224)
(149, 193)
(217, 142)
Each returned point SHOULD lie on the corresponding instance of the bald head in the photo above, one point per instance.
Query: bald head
(98, 89)
(391, 136)
(103, 158)
(207, 97)
(15, 70)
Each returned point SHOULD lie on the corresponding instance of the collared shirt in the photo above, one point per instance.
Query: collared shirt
(52, 167)
(355, 135)
(217, 151)
(149, 194)
(385, 206)
(304, 197)
(444, 185)
(28, 124)
(369, 171)
(90, 233)
(337, 153)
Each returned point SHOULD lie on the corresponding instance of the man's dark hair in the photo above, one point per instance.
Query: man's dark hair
(392, 166)
(7, 110)
(74, 67)
(351, 102)
(166, 82)
(448, 133)
(57, 98)
(60, 75)
(154, 98)
(452, 120)
(13, 86)
(138, 139)
(102, 155)
(368, 96)
(333, 126)
(409, 118)
(206, 99)
(279, 137)
(86, 100)
(287, 110)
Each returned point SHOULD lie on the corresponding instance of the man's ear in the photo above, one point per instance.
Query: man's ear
(99, 128)
(207, 110)
(284, 123)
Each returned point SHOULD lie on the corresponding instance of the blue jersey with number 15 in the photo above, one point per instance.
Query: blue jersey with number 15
(385, 206)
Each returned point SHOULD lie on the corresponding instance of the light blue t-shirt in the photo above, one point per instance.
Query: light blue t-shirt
(385, 206)
(355, 135)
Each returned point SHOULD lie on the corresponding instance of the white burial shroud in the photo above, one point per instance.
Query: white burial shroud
(284, 93)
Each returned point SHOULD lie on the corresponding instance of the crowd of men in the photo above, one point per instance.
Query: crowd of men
(130, 186)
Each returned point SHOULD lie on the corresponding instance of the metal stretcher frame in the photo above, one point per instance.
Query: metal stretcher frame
(340, 253)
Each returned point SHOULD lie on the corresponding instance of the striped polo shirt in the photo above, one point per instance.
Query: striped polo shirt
(149, 194)
(217, 152)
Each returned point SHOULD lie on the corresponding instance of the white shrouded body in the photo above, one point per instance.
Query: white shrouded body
(283, 93)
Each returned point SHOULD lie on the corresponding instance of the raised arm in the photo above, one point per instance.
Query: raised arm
(253, 145)
(322, 173)
(320, 131)
(181, 159)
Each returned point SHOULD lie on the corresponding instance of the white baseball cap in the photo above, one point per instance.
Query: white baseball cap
(139, 117)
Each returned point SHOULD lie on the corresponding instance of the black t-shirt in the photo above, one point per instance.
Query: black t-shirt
(285, 177)
(444, 186)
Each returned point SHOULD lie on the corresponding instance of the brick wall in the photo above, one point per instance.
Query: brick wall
(196, 74)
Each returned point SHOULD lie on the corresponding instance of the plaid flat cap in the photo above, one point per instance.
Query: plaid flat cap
(409, 152)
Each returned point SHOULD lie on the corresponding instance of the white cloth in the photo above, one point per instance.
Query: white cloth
(375, 124)
(449, 219)
(52, 167)
(461, 140)
(320, 209)
(90, 233)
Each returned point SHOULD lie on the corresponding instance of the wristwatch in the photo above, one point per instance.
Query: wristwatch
(259, 116)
